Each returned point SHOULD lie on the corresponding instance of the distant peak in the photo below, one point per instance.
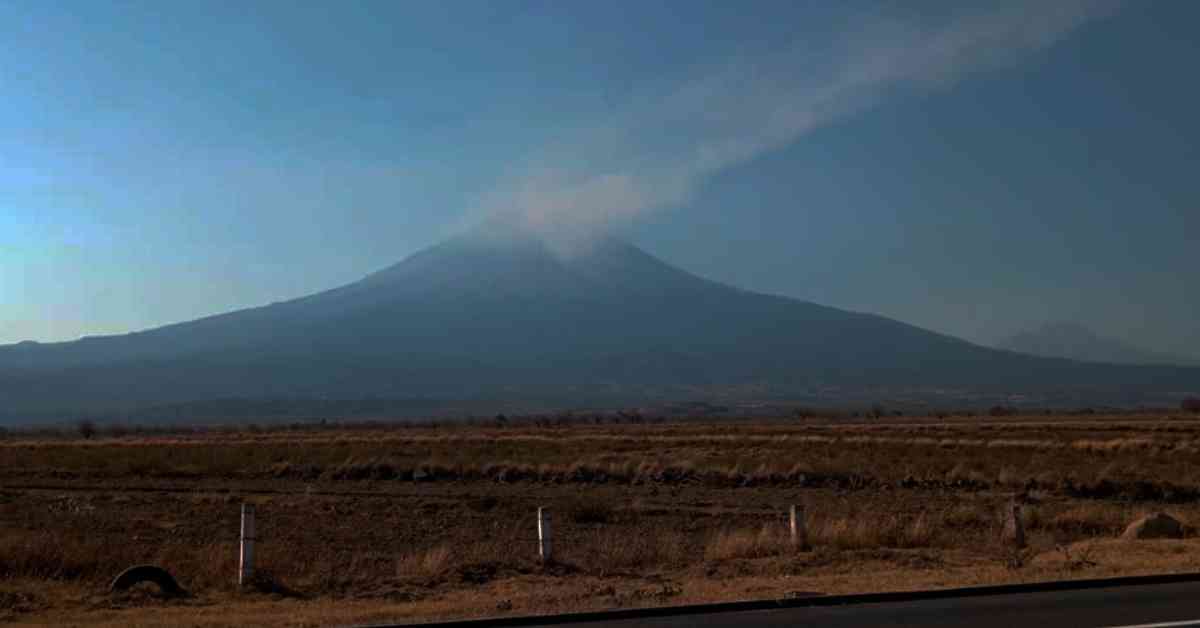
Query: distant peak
(1076, 341)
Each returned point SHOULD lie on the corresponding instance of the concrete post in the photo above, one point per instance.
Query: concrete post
(246, 552)
(797, 528)
(544, 535)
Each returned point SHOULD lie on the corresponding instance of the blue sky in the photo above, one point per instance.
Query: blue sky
(975, 168)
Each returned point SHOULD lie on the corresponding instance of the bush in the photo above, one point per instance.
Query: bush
(1191, 404)
(430, 563)
(746, 543)
(87, 429)
(591, 511)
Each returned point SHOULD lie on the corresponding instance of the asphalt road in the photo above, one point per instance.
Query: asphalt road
(1152, 606)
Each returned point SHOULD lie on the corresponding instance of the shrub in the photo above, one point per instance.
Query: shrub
(429, 563)
(609, 550)
(1191, 404)
(87, 429)
(745, 543)
(863, 532)
(1087, 520)
(591, 511)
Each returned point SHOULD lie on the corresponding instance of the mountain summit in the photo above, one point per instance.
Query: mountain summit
(502, 311)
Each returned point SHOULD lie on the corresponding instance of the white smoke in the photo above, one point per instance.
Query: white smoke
(660, 148)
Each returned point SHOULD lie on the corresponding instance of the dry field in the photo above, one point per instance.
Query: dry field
(400, 523)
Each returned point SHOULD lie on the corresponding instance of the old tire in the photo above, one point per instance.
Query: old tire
(147, 573)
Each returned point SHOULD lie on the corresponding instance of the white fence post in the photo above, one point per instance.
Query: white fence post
(246, 553)
(797, 527)
(544, 546)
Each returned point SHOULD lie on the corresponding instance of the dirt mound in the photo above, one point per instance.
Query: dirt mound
(1159, 525)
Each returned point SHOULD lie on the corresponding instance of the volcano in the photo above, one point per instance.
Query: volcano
(500, 311)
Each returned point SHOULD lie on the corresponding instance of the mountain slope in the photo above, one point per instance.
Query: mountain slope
(498, 312)
(1076, 342)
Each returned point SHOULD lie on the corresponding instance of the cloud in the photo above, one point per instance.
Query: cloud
(660, 148)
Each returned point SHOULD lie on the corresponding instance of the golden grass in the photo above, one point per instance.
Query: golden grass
(385, 524)
(427, 564)
(743, 543)
(1159, 456)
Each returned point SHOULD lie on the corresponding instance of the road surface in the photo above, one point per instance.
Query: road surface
(1150, 606)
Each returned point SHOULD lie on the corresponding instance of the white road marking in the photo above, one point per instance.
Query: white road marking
(1168, 624)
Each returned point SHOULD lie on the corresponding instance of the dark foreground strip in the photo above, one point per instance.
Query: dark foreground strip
(812, 601)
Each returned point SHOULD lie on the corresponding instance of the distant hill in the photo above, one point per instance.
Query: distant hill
(496, 313)
(1076, 342)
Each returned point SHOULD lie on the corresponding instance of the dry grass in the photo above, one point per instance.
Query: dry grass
(1151, 458)
(615, 551)
(430, 563)
(64, 605)
(747, 543)
(438, 521)
(890, 531)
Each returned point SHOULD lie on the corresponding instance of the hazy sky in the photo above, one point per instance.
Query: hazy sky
(974, 168)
